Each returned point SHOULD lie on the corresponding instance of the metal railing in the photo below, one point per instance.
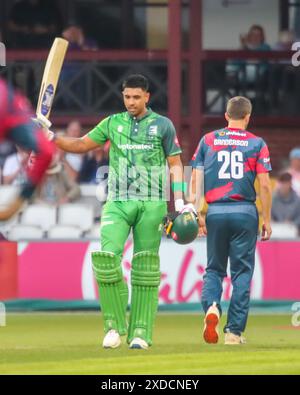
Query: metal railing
(90, 83)
(269, 79)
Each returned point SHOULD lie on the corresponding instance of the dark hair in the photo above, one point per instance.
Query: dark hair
(238, 107)
(136, 81)
(261, 29)
(285, 177)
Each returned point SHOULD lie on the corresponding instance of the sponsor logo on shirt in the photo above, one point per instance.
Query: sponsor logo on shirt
(231, 142)
(120, 128)
(267, 160)
(238, 134)
(153, 130)
(141, 147)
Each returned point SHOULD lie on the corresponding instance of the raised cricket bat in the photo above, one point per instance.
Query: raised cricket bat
(50, 80)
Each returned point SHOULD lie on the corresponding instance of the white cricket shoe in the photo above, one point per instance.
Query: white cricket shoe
(231, 339)
(112, 339)
(139, 344)
(211, 325)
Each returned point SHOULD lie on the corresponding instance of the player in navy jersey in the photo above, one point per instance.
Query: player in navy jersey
(16, 125)
(228, 161)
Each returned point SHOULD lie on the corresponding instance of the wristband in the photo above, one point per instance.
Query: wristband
(179, 186)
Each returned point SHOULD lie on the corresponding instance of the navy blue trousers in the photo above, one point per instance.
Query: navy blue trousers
(231, 233)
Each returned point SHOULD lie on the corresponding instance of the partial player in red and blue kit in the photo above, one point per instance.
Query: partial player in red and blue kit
(16, 125)
(229, 160)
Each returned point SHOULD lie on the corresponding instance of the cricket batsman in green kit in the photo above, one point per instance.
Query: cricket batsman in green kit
(141, 143)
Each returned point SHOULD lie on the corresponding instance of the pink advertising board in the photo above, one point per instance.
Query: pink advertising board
(62, 271)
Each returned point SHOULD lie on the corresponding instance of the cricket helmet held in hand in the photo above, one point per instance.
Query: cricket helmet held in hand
(181, 227)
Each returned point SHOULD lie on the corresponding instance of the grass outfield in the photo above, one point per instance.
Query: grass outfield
(71, 344)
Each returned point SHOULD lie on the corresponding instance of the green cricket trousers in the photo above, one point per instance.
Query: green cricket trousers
(144, 217)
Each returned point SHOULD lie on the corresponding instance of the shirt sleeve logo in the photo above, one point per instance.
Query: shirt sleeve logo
(176, 141)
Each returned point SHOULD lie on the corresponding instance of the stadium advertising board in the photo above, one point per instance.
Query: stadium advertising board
(62, 271)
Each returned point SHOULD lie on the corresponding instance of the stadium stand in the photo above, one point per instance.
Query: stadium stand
(6, 227)
(41, 221)
(94, 233)
(93, 196)
(284, 231)
(63, 232)
(7, 193)
(76, 215)
(24, 232)
(81, 220)
(39, 215)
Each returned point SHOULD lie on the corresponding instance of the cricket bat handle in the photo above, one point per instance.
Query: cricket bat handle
(42, 121)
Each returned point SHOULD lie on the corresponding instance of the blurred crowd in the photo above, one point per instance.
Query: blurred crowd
(286, 198)
(273, 86)
(65, 174)
(68, 171)
(34, 24)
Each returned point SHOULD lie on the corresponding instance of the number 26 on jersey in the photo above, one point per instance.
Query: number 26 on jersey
(232, 165)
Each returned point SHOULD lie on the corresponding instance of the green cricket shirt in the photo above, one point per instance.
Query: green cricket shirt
(137, 156)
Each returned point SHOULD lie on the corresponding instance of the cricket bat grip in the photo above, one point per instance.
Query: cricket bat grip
(42, 121)
(45, 124)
